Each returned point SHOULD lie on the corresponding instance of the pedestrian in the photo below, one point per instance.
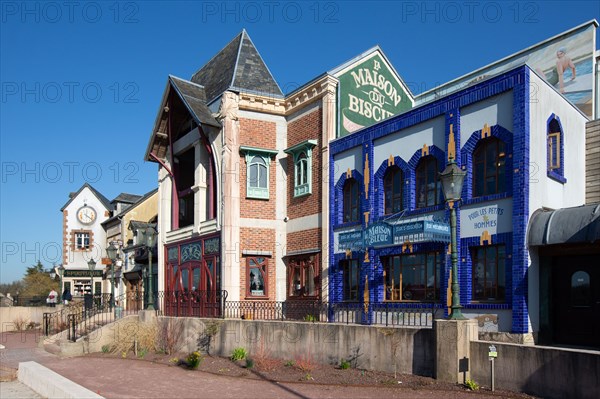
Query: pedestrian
(66, 296)
(52, 298)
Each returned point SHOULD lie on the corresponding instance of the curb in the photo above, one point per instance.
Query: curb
(50, 384)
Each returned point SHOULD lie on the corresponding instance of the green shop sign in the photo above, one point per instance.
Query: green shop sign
(81, 273)
(383, 234)
(369, 92)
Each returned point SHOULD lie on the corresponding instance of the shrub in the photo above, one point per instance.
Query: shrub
(249, 363)
(472, 385)
(344, 364)
(239, 354)
(21, 323)
(289, 363)
(310, 318)
(169, 333)
(304, 362)
(194, 359)
(105, 348)
(261, 356)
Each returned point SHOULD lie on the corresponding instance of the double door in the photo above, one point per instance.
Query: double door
(194, 288)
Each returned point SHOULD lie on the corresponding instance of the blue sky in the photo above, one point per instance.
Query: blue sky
(81, 81)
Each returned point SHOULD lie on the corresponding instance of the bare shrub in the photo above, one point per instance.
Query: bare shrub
(169, 333)
(137, 337)
(261, 355)
(21, 323)
(207, 335)
(304, 362)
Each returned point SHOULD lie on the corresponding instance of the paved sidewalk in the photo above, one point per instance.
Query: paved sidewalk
(17, 390)
(123, 378)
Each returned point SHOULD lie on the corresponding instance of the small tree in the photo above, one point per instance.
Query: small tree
(37, 281)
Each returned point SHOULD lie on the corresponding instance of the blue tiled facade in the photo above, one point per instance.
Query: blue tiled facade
(372, 202)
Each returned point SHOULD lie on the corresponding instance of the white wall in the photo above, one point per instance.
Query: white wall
(79, 259)
(544, 191)
(407, 141)
(497, 110)
(350, 159)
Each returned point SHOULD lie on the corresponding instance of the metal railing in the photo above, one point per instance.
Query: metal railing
(386, 314)
(82, 317)
(191, 303)
(20, 300)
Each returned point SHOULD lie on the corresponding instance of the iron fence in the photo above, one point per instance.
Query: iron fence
(386, 314)
(191, 303)
(82, 317)
(20, 300)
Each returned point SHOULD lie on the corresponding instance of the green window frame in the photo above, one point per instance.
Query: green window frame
(258, 164)
(302, 155)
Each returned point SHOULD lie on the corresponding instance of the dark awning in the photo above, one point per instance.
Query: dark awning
(565, 226)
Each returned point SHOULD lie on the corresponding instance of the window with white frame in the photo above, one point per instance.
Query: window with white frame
(81, 240)
(302, 154)
(258, 161)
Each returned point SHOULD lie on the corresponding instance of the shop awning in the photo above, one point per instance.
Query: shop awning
(565, 226)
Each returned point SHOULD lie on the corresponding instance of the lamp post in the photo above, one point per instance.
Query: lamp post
(92, 266)
(112, 251)
(61, 272)
(452, 181)
(148, 238)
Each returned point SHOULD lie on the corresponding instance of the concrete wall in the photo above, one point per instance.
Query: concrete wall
(8, 315)
(409, 350)
(543, 371)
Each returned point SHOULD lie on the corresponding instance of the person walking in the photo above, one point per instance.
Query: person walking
(52, 298)
(66, 296)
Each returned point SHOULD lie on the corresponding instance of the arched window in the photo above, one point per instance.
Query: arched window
(555, 150)
(392, 187)
(489, 167)
(428, 183)
(301, 169)
(258, 172)
(351, 201)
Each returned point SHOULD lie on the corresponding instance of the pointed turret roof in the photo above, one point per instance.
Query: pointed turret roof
(238, 67)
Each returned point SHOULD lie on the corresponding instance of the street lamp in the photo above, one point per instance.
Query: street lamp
(452, 181)
(92, 266)
(112, 254)
(148, 238)
(61, 272)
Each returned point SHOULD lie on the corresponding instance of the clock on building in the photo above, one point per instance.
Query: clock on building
(86, 214)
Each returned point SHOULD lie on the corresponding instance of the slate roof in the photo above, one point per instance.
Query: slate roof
(97, 193)
(194, 97)
(140, 199)
(127, 198)
(238, 67)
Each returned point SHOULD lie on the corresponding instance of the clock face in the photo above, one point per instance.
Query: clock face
(86, 215)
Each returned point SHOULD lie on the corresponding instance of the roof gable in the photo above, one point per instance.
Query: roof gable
(239, 67)
(105, 202)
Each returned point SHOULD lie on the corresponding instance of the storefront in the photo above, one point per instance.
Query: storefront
(193, 277)
(389, 225)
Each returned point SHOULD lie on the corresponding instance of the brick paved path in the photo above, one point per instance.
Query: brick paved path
(123, 378)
